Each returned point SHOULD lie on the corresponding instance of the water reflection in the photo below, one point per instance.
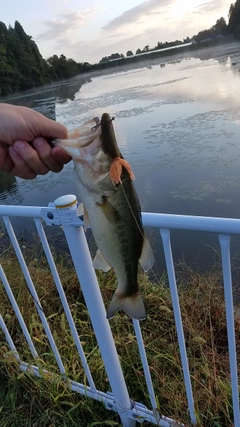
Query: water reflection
(44, 99)
(8, 184)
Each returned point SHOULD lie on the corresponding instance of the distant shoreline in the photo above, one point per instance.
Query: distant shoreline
(166, 52)
(206, 50)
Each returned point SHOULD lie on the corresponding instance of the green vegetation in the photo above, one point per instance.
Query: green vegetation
(23, 67)
(29, 401)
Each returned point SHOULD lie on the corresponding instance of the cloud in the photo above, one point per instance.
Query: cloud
(162, 10)
(213, 6)
(147, 23)
(56, 3)
(65, 24)
(137, 13)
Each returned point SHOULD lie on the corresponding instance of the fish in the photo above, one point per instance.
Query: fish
(111, 208)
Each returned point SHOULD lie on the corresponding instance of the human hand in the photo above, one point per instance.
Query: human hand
(24, 150)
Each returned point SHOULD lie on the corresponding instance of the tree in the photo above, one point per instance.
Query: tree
(23, 67)
(234, 18)
(159, 45)
(138, 51)
(63, 68)
(111, 57)
(104, 59)
(220, 26)
(129, 53)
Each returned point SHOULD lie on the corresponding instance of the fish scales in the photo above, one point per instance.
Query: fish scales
(111, 208)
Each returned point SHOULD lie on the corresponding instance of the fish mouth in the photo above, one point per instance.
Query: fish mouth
(90, 136)
(85, 134)
(80, 138)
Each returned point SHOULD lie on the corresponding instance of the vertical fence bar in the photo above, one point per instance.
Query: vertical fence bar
(83, 264)
(17, 312)
(165, 235)
(9, 338)
(145, 364)
(33, 292)
(227, 280)
(64, 302)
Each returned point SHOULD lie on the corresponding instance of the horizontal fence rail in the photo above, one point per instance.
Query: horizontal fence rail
(63, 213)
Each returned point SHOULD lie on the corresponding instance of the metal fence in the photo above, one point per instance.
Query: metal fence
(63, 213)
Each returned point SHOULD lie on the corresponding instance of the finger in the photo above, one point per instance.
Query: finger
(6, 163)
(60, 155)
(47, 128)
(56, 130)
(20, 167)
(30, 156)
(44, 151)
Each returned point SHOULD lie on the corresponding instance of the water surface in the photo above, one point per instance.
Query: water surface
(177, 123)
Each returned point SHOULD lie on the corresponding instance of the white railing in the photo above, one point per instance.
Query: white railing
(63, 212)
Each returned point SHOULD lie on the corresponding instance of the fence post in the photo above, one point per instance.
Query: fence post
(165, 235)
(83, 264)
(224, 241)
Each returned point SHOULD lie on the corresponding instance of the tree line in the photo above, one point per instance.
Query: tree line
(23, 67)
(146, 49)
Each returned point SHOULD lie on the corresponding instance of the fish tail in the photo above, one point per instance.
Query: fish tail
(132, 305)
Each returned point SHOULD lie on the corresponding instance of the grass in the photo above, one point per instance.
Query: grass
(26, 400)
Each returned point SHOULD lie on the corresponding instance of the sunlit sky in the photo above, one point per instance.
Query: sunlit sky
(87, 30)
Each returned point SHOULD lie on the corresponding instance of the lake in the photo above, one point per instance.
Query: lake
(177, 122)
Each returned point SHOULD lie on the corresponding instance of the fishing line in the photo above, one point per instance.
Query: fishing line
(142, 234)
(130, 207)
(34, 300)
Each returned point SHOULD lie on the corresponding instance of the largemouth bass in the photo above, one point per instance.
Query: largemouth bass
(112, 209)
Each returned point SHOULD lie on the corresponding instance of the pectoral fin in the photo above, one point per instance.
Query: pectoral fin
(99, 263)
(147, 258)
(109, 210)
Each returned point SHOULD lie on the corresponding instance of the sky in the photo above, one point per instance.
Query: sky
(88, 30)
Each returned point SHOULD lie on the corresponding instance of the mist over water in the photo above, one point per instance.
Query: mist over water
(177, 122)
